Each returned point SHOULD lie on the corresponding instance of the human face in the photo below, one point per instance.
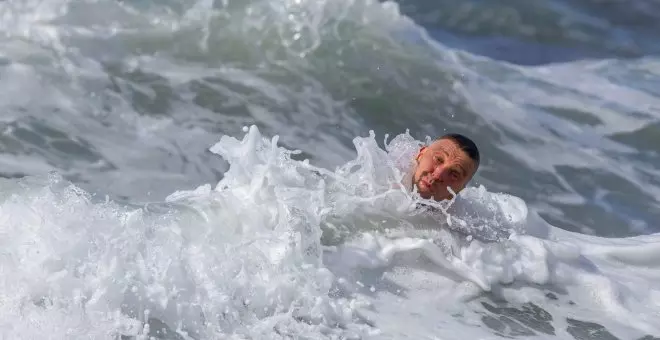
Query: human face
(440, 165)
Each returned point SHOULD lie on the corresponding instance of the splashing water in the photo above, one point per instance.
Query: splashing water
(120, 98)
(244, 259)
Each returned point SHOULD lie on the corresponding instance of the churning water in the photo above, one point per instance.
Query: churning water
(199, 169)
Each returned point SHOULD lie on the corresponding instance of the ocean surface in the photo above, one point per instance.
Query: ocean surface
(201, 169)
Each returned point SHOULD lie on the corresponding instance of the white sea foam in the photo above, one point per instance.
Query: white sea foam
(281, 248)
(244, 258)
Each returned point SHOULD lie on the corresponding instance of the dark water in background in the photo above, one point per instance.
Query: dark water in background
(540, 32)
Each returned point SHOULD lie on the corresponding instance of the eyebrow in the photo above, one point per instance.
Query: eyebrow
(462, 170)
(446, 155)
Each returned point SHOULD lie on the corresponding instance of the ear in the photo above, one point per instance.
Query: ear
(419, 154)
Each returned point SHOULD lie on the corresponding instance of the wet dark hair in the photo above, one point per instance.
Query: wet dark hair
(465, 144)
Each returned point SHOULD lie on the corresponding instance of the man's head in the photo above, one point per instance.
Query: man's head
(450, 161)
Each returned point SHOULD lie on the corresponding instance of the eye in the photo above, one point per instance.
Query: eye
(438, 159)
(454, 174)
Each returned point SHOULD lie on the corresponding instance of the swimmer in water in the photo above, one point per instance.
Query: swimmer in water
(450, 161)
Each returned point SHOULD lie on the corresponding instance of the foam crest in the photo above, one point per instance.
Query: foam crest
(193, 270)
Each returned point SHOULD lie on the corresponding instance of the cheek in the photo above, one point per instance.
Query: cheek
(418, 172)
(424, 167)
(459, 184)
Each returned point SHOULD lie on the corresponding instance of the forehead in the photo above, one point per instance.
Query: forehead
(449, 147)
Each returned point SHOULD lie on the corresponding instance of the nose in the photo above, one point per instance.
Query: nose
(438, 173)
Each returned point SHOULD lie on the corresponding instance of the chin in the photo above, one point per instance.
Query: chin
(442, 197)
(424, 195)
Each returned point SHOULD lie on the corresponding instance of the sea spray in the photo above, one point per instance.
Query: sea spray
(245, 258)
(211, 265)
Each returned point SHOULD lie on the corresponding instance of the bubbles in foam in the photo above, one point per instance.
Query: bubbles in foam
(202, 267)
(245, 257)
